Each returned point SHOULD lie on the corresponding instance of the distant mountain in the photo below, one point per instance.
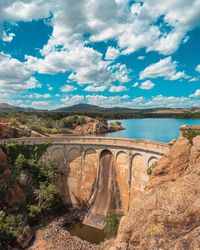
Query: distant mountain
(4, 107)
(87, 108)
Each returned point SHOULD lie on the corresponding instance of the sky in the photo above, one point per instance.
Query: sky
(125, 53)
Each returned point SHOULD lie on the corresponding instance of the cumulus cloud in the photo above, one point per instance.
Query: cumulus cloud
(14, 76)
(106, 101)
(92, 88)
(85, 63)
(26, 11)
(164, 68)
(112, 53)
(141, 58)
(117, 89)
(196, 94)
(72, 100)
(39, 96)
(147, 85)
(68, 88)
(135, 84)
(8, 37)
(40, 104)
(198, 68)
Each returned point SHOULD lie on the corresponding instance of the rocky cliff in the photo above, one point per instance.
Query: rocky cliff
(167, 215)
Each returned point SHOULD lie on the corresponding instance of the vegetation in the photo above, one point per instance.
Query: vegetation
(112, 222)
(150, 168)
(190, 134)
(35, 177)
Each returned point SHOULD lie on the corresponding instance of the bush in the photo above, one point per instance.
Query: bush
(150, 168)
(10, 228)
(190, 134)
(35, 176)
(112, 222)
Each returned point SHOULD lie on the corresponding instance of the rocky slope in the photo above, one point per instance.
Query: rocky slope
(167, 215)
(8, 131)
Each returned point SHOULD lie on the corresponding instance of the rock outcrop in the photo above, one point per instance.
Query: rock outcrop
(13, 193)
(8, 131)
(94, 126)
(167, 214)
(26, 237)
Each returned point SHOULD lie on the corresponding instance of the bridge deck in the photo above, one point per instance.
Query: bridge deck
(159, 147)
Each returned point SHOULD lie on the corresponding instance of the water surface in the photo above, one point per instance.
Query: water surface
(155, 129)
(90, 234)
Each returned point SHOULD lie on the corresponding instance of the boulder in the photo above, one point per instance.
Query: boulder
(26, 237)
(3, 160)
(15, 195)
(8, 131)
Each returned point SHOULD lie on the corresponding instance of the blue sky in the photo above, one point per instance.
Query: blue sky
(138, 54)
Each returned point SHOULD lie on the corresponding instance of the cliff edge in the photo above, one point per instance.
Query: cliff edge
(167, 215)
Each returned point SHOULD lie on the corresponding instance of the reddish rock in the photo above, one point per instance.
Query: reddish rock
(26, 237)
(3, 160)
(167, 215)
(15, 195)
(7, 131)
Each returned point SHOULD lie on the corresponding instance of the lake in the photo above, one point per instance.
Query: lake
(155, 129)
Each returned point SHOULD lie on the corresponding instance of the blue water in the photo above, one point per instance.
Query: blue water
(155, 129)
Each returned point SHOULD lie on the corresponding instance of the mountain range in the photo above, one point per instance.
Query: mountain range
(87, 108)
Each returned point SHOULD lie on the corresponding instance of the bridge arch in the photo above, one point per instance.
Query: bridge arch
(139, 175)
(122, 178)
(89, 173)
(74, 174)
(152, 160)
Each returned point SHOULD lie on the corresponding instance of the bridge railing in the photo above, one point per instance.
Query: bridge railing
(159, 147)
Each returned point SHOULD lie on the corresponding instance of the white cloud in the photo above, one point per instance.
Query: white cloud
(85, 63)
(8, 37)
(198, 68)
(68, 88)
(72, 100)
(194, 79)
(26, 11)
(132, 25)
(92, 88)
(196, 94)
(135, 84)
(50, 88)
(14, 76)
(39, 96)
(147, 85)
(164, 68)
(40, 104)
(141, 58)
(117, 89)
(112, 53)
(106, 101)
(32, 83)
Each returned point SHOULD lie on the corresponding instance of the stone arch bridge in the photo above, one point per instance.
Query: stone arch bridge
(104, 172)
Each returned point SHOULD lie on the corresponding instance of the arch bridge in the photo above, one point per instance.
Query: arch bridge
(104, 172)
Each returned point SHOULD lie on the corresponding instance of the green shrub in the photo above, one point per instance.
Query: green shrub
(10, 228)
(150, 168)
(14, 122)
(112, 222)
(35, 176)
(190, 134)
